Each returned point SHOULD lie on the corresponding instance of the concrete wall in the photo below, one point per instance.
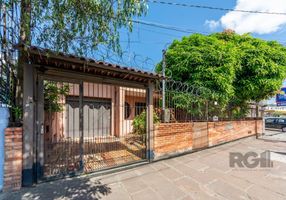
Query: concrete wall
(176, 138)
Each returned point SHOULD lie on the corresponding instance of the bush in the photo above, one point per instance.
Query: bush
(52, 94)
(139, 123)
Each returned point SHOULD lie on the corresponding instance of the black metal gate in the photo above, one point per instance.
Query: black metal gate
(87, 127)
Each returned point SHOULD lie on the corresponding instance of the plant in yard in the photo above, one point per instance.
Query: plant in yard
(237, 69)
(17, 113)
(139, 123)
(53, 93)
(191, 104)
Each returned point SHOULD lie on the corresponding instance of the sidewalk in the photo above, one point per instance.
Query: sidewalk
(201, 175)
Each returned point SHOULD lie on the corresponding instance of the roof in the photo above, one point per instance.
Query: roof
(60, 60)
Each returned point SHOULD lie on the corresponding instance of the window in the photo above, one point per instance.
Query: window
(139, 108)
(127, 110)
(270, 120)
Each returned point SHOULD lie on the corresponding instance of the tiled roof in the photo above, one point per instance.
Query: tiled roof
(42, 53)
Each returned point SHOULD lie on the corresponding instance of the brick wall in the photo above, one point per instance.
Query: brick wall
(226, 131)
(172, 138)
(13, 159)
(176, 138)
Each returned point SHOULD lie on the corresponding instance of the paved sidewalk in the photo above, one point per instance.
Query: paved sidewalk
(274, 135)
(202, 175)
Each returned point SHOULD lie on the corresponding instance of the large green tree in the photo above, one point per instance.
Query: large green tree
(74, 26)
(237, 68)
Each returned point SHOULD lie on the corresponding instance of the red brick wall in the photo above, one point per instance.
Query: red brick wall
(171, 138)
(226, 131)
(176, 138)
(13, 159)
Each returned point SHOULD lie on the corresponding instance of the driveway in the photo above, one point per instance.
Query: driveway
(201, 175)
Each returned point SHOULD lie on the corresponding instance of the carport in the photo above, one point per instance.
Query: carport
(86, 125)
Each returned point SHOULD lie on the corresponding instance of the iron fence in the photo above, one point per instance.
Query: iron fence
(175, 101)
(92, 126)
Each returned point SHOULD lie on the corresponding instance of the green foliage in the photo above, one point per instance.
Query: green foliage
(17, 113)
(139, 123)
(191, 104)
(74, 26)
(78, 26)
(52, 95)
(203, 61)
(82, 25)
(236, 68)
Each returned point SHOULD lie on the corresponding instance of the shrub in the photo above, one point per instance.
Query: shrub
(139, 123)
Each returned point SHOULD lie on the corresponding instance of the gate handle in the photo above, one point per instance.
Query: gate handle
(42, 129)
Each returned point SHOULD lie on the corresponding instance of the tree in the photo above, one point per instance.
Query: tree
(74, 26)
(82, 25)
(262, 68)
(236, 68)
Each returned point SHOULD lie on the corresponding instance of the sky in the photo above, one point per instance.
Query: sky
(148, 42)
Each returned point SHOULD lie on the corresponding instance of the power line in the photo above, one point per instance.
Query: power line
(215, 8)
(178, 29)
(159, 32)
(168, 27)
(140, 28)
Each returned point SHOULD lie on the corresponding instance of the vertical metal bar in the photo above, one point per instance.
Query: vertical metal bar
(81, 125)
(164, 82)
(40, 127)
(73, 129)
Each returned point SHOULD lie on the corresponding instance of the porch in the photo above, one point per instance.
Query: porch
(79, 114)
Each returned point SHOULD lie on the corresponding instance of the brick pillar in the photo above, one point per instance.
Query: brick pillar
(13, 159)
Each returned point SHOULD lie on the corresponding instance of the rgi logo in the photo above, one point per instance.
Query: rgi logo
(250, 160)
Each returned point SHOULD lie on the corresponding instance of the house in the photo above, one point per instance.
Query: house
(108, 110)
(85, 122)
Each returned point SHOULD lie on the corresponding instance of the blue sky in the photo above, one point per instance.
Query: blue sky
(148, 42)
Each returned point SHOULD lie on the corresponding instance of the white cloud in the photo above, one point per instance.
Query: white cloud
(212, 24)
(242, 22)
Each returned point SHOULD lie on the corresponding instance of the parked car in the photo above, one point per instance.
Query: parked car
(276, 123)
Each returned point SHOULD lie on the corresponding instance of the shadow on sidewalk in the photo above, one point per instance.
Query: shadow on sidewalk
(75, 188)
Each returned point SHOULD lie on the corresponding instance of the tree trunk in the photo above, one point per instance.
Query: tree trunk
(25, 39)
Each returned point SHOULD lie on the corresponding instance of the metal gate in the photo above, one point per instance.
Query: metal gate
(87, 127)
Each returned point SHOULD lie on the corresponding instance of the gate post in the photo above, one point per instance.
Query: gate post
(150, 123)
(40, 127)
(81, 143)
(28, 125)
